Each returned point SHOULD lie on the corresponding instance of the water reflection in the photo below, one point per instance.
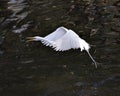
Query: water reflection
(19, 14)
(31, 69)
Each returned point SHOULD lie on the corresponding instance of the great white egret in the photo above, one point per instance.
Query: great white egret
(63, 39)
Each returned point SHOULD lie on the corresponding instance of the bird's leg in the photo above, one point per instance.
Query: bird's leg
(92, 58)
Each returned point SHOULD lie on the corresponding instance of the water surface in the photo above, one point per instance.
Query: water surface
(32, 69)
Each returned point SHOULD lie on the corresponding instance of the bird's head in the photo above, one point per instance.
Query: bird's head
(35, 38)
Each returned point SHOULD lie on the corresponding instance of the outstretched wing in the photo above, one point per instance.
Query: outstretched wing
(57, 34)
(70, 41)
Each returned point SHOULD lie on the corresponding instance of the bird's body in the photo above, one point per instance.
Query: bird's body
(63, 39)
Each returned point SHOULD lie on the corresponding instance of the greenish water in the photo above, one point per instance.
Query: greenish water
(32, 69)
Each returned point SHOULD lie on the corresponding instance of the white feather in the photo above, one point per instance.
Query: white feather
(64, 39)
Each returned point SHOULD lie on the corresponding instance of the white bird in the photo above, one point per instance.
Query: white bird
(63, 39)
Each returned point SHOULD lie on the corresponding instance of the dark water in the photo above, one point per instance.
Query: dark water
(31, 69)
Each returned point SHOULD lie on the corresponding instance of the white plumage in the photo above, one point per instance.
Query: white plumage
(63, 39)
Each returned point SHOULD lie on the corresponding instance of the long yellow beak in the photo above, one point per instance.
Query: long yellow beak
(29, 39)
